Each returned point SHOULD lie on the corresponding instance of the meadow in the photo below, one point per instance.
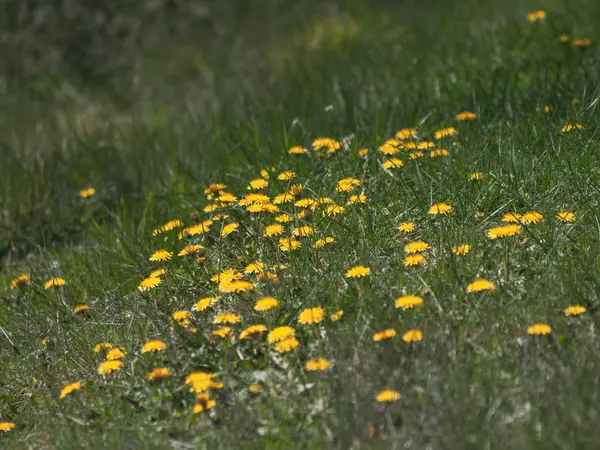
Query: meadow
(300, 225)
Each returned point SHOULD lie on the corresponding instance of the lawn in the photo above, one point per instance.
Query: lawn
(335, 224)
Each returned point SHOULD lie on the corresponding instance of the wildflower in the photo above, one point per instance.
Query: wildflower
(531, 217)
(357, 199)
(384, 334)
(18, 281)
(504, 231)
(412, 336)
(214, 188)
(227, 317)
(149, 283)
(416, 155)
(311, 315)
(317, 364)
(305, 230)
(227, 198)
(324, 241)
(266, 303)
(172, 224)
(80, 308)
(200, 381)
(287, 345)
(511, 217)
(161, 255)
(437, 153)
(203, 405)
(274, 230)
(347, 184)
(466, 115)
(102, 346)
(536, 16)
(109, 366)
(289, 244)
(157, 273)
(305, 203)
(54, 282)
(191, 249)
(581, 43)
(72, 387)
(227, 274)
(334, 210)
(406, 133)
(479, 214)
(424, 145)
(565, 216)
(574, 310)
(210, 208)
(237, 286)
(414, 260)
(444, 132)
(408, 301)
(539, 329)
(297, 150)
(262, 207)
(182, 317)
(154, 346)
(85, 193)
(197, 229)
(545, 109)
(228, 229)
(336, 315)
(204, 303)
(222, 332)
(280, 333)
(363, 152)
(255, 388)
(416, 247)
(392, 163)
(252, 329)
(358, 272)
(406, 227)
(476, 176)
(440, 208)
(250, 199)
(388, 396)
(461, 250)
(158, 372)
(6, 426)
(480, 285)
(328, 144)
(286, 175)
(256, 267)
(286, 197)
(116, 353)
(571, 126)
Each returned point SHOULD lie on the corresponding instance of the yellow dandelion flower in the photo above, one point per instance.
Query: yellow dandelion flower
(406, 133)
(214, 188)
(54, 282)
(149, 283)
(204, 405)
(172, 224)
(274, 230)
(416, 247)
(358, 272)
(102, 346)
(539, 329)
(331, 145)
(412, 336)
(565, 216)
(286, 175)
(438, 153)
(531, 217)
(479, 214)
(317, 364)
(280, 333)
(574, 310)
(86, 193)
(414, 260)
(393, 163)
(408, 301)
(406, 227)
(256, 267)
(303, 231)
(209, 208)
(69, 388)
(476, 176)
(205, 303)
(511, 217)
(311, 315)
(80, 308)
(266, 303)
(161, 255)
(466, 115)
(363, 152)
(228, 229)
(388, 396)
(154, 345)
(200, 381)
(480, 285)
(227, 317)
(347, 184)
(388, 148)
(545, 109)
(504, 231)
(334, 210)
(109, 366)
(444, 132)
(250, 199)
(6, 426)
(563, 38)
(581, 43)
(116, 353)
(416, 155)
(323, 242)
(227, 274)
(20, 280)
(536, 16)
(255, 388)
(251, 330)
(425, 145)
(287, 345)
(305, 203)
(257, 184)
(286, 197)
(197, 229)
(571, 126)
(337, 315)
(226, 198)
(158, 372)
(461, 250)
(283, 218)
(157, 273)
(297, 150)
(182, 317)
(440, 208)
(384, 334)
(191, 249)
(357, 199)
(289, 244)
(237, 286)
(222, 332)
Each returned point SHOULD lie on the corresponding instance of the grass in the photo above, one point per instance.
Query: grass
(219, 106)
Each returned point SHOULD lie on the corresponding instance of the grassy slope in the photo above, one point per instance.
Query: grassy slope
(476, 379)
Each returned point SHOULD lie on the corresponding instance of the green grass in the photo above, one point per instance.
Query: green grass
(218, 97)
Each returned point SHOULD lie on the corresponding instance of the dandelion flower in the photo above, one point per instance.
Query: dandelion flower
(86, 193)
(274, 230)
(416, 247)
(461, 250)
(574, 310)
(440, 208)
(158, 372)
(424, 145)
(311, 315)
(227, 317)
(545, 109)
(388, 396)
(511, 217)
(406, 227)
(54, 282)
(191, 249)
(581, 43)
(251, 330)
(149, 283)
(18, 281)
(363, 152)
(384, 334)
(286, 176)
(109, 366)
(116, 353)
(222, 332)
(72, 387)
(358, 272)
(205, 303)
(317, 364)
(565, 216)
(531, 217)
(412, 336)
(466, 115)
(476, 176)
(571, 126)
(80, 308)
(172, 224)
(161, 255)
(289, 244)
(393, 163)
(408, 301)
(228, 229)
(416, 155)
(438, 153)
(444, 132)
(331, 145)
(504, 231)
(200, 381)
(280, 333)
(236, 286)
(347, 184)
(539, 329)
(154, 346)
(287, 345)
(182, 317)
(536, 16)
(303, 231)
(266, 303)
(203, 405)
(406, 133)
(357, 199)
(255, 388)
(297, 150)
(250, 199)
(157, 273)
(414, 260)
(6, 426)
(336, 315)
(334, 210)
(480, 285)
(257, 184)
(102, 346)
